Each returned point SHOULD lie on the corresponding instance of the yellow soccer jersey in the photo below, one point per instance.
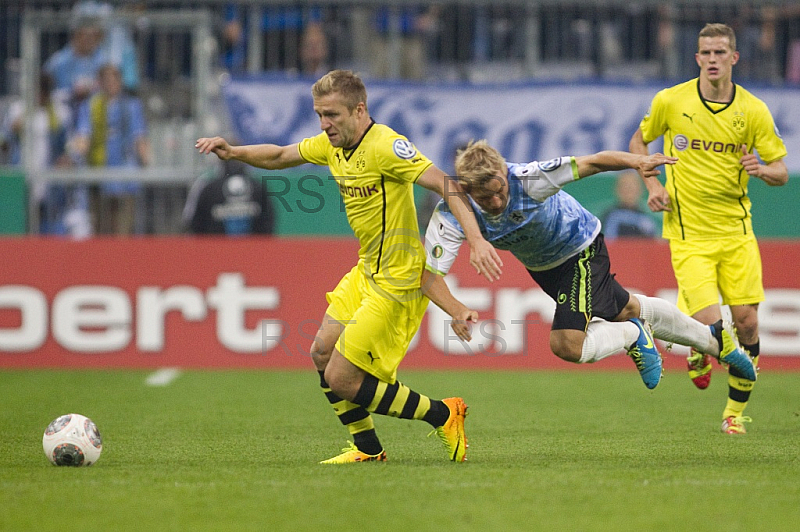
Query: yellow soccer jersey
(376, 179)
(708, 185)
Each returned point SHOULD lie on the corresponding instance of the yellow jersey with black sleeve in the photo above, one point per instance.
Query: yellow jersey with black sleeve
(376, 179)
(708, 185)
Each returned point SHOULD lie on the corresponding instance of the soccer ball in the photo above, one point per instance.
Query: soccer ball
(72, 440)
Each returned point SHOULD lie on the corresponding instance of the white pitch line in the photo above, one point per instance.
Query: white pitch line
(163, 377)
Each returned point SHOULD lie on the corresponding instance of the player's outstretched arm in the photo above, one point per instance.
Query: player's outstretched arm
(605, 161)
(269, 156)
(482, 255)
(434, 287)
(657, 196)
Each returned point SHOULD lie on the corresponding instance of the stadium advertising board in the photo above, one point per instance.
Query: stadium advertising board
(257, 302)
(526, 122)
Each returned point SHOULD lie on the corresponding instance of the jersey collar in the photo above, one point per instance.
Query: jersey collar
(348, 152)
(705, 102)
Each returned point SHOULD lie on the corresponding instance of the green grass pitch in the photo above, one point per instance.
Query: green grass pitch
(238, 450)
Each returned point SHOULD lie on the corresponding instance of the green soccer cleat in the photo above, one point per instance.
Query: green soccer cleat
(452, 432)
(646, 356)
(730, 353)
(351, 455)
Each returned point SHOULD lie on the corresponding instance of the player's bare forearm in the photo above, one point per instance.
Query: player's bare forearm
(774, 174)
(434, 287)
(657, 196)
(637, 143)
(268, 156)
(455, 197)
(604, 161)
(483, 256)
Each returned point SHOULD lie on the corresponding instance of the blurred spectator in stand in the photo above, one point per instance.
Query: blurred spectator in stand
(117, 45)
(677, 39)
(74, 67)
(790, 17)
(95, 39)
(233, 203)
(627, 218)
(793, 62)
(50, 122)
(412, 25)
(667, 56)
(314, 52)
(756, 30)
(281, 27)
(111, 132)
(767, 46)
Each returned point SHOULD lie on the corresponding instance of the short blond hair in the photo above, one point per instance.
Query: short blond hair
(344, 82)
(478, 163)
(718, 30)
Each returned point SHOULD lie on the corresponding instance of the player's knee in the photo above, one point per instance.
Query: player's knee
(343, 378)
(320, 354)
(632, 309)
(334, 380)
(564, 349)
(747, 327)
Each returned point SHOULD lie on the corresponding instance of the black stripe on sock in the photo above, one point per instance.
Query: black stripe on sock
(717, 326)
(388, 397)
(738, 395)
(351, 416)
(411, 406)
(753, 350)
(332, 398)
(322, 381)
(367, 391)
(438, 414)
(367, 442)
(735, 372)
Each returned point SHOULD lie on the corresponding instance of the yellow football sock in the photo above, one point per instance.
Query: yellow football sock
(739, 390)
(398, 400)
(357, 420)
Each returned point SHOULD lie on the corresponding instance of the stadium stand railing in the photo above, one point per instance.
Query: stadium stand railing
(183, 53)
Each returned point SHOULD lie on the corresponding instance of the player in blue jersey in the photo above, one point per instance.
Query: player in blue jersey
(521, 208)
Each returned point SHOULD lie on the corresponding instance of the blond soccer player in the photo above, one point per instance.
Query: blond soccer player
(377, 307)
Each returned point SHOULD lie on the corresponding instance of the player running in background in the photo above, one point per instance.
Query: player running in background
(377, 307)
(714, 126)
(521, 208)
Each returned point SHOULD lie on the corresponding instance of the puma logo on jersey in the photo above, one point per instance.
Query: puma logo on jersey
(691, 118)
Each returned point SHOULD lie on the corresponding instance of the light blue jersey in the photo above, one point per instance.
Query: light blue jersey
(542, 225)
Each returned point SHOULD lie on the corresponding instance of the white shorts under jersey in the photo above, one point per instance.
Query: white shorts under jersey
(542, 225)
